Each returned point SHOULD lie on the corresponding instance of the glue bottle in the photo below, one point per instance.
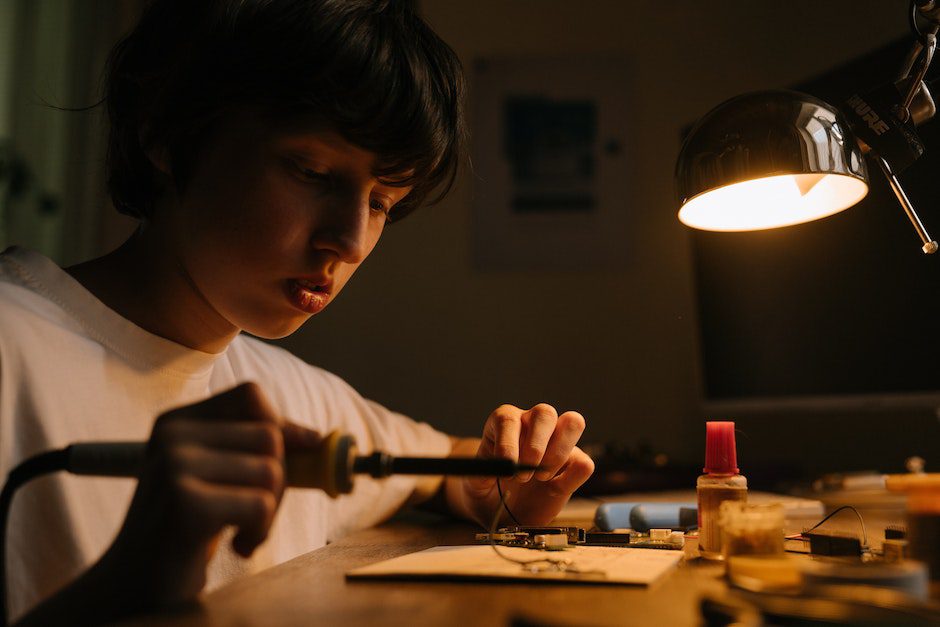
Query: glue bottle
(721, 482)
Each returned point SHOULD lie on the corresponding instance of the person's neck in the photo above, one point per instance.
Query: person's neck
(143, 283)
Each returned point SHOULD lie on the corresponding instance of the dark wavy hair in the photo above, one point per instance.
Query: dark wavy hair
(372, 70)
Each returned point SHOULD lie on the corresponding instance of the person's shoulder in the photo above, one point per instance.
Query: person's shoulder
(14, 297)
(306, 393)
(15, 315)
(257, 357)
(19, 303)
(21, 292)
(30, 323)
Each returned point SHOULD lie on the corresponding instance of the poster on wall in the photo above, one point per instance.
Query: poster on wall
(550, 164)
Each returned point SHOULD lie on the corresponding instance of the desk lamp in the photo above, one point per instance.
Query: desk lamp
(775, 158)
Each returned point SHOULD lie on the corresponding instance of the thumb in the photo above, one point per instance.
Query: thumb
(299, 438)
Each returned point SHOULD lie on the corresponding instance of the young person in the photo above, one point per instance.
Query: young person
(263, 145)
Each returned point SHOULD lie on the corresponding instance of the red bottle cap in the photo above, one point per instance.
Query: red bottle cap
(721, 458)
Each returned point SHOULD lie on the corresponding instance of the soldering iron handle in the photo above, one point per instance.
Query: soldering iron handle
(106, 459)
(327, 467)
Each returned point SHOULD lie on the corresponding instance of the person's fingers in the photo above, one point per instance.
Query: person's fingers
(299, 438)
(213, 507)
(261, 438)
(567, 432)
(573, 474)
(501, 433)
(538, 424)
(224, 467)
(500, 440)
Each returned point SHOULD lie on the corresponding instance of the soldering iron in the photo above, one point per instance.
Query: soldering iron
(330, 467)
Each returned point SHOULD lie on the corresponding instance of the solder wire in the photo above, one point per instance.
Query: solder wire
(505, 505)
(558, 564)
(564, 565)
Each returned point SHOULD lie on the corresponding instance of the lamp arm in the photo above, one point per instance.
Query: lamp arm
(913, 72)
(910, 60)
(929, 244)
(885, 118)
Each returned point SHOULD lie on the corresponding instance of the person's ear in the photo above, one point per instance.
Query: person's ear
(156, 151)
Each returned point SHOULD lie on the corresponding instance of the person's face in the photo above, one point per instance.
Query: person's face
(274, 220)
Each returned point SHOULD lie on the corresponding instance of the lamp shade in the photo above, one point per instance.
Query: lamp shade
(768, 159)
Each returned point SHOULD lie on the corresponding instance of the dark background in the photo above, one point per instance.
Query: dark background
(424, 331)
(841, 306)
(831, 325)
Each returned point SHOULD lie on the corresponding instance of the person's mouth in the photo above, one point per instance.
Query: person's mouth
(309, 295)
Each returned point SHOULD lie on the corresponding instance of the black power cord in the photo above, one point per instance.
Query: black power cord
(36, 466)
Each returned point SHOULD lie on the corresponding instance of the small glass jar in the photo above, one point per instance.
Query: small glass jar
(751, 528)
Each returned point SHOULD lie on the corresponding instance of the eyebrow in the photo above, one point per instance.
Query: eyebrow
(303, 145)
(398, 184)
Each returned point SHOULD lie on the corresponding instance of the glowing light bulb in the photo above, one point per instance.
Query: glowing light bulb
(772, 202)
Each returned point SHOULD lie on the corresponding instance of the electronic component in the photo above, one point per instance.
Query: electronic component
(608, 538)
(893, 550)
(575, 534)
(660, 534)
(656, 539)
(895, 532)
(508, 539)
(559, 538)
(547, 538)
(550, 541)
(833, 543)
(662, 539)
(544, 541)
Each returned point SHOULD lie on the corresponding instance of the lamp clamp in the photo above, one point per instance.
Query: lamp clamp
(883, 126)
(884, 120)
(928, 10)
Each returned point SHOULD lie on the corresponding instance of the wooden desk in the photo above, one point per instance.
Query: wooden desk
(312, 590)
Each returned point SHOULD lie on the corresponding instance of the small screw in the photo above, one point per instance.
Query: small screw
(914, 464)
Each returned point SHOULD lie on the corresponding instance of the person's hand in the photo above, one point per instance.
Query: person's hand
(538, 437)
(210, 465)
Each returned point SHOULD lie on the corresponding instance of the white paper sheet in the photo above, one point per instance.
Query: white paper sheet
(589, 564)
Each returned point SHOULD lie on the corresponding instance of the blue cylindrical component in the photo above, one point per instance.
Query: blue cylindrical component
(674, 515)
(646, 516)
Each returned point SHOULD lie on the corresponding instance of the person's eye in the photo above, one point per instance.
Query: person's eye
(379, 206)
(311, 175)
(316, 177)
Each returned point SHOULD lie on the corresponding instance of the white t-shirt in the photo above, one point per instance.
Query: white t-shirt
(71, 370)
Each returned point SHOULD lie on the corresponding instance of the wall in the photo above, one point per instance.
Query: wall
(423, 332)
(53, 54)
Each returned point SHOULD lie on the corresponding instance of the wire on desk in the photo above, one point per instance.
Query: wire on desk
(799, 536)
(549, 562)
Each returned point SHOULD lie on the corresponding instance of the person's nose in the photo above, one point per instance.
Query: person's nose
(344, 229)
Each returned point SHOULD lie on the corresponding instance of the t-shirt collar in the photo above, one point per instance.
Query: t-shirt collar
(40, 274)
